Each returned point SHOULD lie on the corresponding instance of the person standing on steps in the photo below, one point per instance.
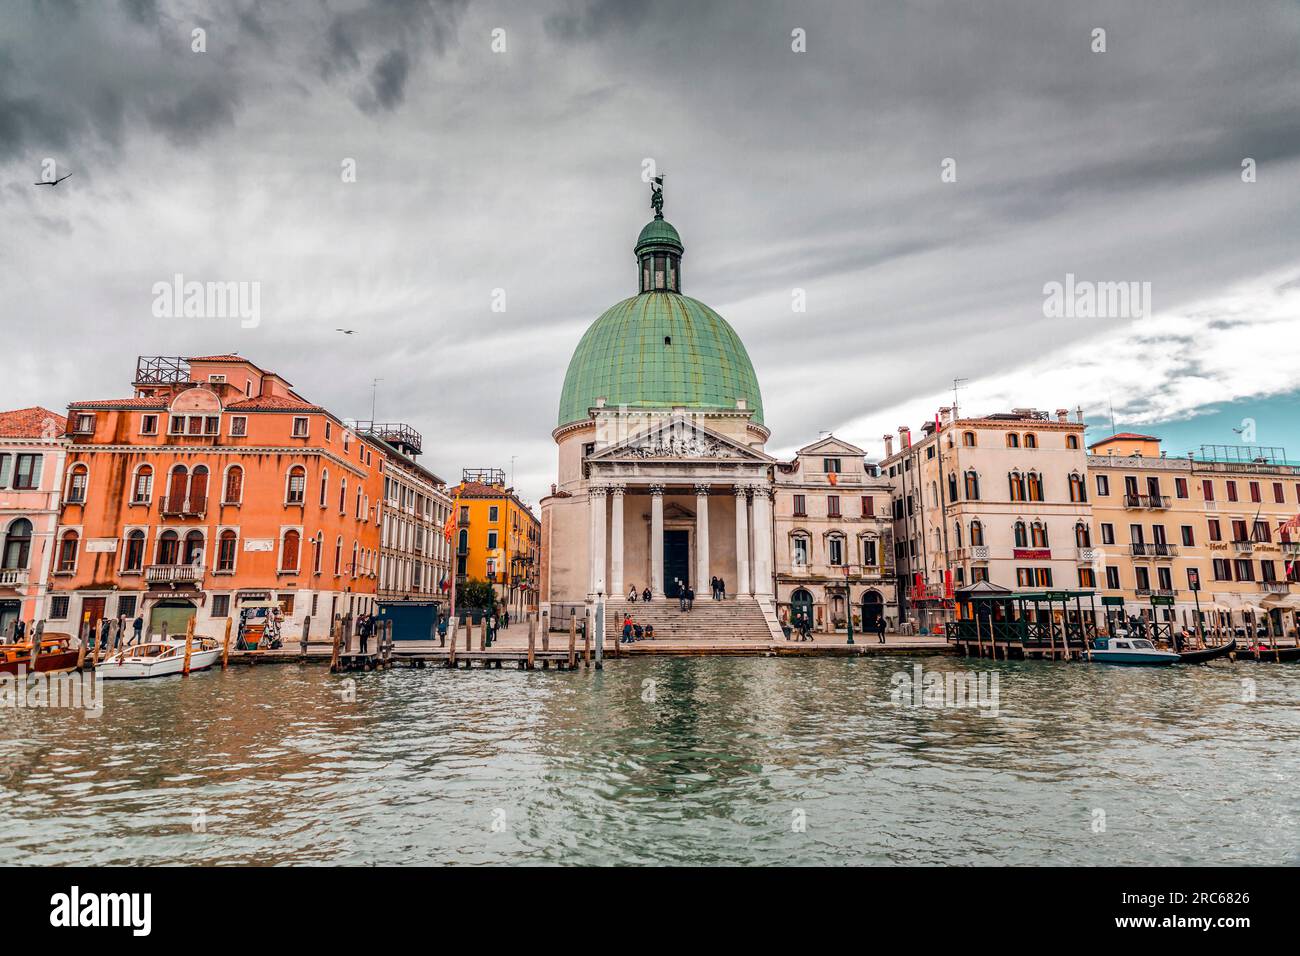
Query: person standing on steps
(627, 629)
(722, 589)
(690, 598)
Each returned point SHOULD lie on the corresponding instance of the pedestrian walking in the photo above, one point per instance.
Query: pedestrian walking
(136, 627)
(442, 631)
(713, 586)
(363, 631)
(627, 629)
(103, 634)
(690, 598)
(880, 629)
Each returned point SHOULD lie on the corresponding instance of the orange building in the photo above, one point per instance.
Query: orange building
(213, 489)
(498, 538)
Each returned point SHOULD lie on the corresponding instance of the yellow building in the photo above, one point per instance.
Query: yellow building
(1174, 535)
(497, 538)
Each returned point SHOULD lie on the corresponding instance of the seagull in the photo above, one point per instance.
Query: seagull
(345, 331)
(55, 182)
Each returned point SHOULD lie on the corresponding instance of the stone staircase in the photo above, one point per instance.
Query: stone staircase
(730, 620)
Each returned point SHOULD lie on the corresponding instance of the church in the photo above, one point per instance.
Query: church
(663, 478)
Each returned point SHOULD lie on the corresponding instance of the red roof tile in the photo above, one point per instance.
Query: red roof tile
(272, 403)
(120, 403)
(30, 422)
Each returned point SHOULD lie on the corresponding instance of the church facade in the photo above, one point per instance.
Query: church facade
(663, 480)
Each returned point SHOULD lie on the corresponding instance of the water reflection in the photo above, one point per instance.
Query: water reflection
(662, 760)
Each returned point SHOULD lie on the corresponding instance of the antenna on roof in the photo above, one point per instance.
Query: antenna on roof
(956, 384)
(1112, 415)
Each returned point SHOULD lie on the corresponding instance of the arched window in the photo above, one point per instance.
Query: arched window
(78, 480)
(800, 549)
(177, 483)
(968, 439)
(193, 548)
(1022, 535)
(142, 486)
(1078, 486)
(1013, 440)
(956, 533)
(952, 487)
(354, 559)
(296, 486)
(1082, 536)
(68, 552)
(835, 550)
(976, 533)
(133, 554)
(343, 495)
(18, 545)
(359, 512)
(1072, 441)
(227, 548)
(870, 547)
(233, 493)
(1035, 481)
(1016, 484)
(462, 542)
(317, 546)
(1031, 440)
(338, 556)
(169, 545)
(972, 486)
(198, 490)
(289, 551)
(1039, 532)
(324, 486)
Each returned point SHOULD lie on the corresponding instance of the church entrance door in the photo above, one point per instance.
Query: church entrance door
(677, 561)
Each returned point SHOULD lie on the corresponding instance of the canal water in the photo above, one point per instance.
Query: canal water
(663, 760)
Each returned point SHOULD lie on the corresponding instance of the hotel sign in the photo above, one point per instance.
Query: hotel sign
(1033, 554)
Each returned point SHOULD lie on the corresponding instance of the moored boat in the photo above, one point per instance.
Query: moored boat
(1259, 651)
(56, 655)
(159, 659)
(1130, 650)
(1205, 654)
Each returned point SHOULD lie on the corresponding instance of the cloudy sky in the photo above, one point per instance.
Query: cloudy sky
(521, 170)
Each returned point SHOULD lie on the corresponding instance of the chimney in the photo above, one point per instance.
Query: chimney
(904, 437)
(1063, 415)
(889, 446)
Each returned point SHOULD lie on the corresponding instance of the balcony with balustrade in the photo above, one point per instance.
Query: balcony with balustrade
(183, 506)
(174, 574)
(13, 577)
(1275, 587)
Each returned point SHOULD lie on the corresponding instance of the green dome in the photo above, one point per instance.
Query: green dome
(659, 232)
(623, 357)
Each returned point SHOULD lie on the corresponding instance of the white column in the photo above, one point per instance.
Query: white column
(657, 540)
(742, 541)
(616, 587)
(763, 542)
(702, 574)
(597, 496)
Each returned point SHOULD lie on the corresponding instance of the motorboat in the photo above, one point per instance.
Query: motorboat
(1130, 650)
(56, 655)
(159, 658)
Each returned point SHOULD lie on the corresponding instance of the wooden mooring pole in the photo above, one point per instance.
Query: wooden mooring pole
(306, 633)
(189, 646)
(225, 647)
(532, 641)
(573, 639)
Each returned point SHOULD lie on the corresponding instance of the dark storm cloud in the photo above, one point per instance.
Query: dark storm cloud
(816, 171)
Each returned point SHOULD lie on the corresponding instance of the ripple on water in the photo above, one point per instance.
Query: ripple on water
(765, 761)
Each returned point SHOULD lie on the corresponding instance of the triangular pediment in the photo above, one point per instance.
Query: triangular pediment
(831, 446)
(679, 439)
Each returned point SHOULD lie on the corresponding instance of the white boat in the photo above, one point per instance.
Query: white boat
(159, 658)
(1130, 650)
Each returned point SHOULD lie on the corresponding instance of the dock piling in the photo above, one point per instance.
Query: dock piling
(225, 647)
(189, 647)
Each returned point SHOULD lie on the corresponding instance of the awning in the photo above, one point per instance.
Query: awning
(1276, 601)
(1251, 608)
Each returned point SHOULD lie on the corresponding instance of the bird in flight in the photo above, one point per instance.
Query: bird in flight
(345, 331)
(54, 182)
